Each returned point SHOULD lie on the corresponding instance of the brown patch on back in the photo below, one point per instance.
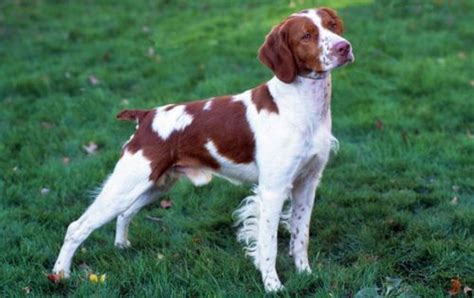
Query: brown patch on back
(160, 152)
(225, 124)
(262, 99)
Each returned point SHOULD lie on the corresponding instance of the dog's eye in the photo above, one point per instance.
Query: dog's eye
(306, 36)
(333, 26)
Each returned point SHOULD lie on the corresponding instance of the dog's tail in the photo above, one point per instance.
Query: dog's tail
(132, 115)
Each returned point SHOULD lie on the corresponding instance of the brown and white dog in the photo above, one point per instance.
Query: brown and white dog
(277, 135)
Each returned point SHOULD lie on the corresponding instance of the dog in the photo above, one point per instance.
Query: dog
(276, 135)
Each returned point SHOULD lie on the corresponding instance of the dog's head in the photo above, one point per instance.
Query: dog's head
(308, 43)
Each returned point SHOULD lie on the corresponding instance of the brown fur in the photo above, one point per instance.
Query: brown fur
(224, 124)
(276, 54)
(288, 53)
(262, 99)
(331, 21)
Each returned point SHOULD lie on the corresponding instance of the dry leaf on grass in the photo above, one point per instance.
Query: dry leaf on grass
(165, 204)
(462, 55)
(469, 134)
(94, 80)
(26, 289)
(150, 52)
(55, 278)
(454, 201)
(44, 191)
(379, 124)
(455, 287)
(90, 148)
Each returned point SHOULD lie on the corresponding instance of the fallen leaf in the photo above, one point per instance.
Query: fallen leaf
(15, 169)
(44, 191)
(455, 287)
(462, 55)
(379, 124)
(454, 201)
(26, 289)
(145, 29)
(471, 82)
(160, 256)
(165, 204)
(91, 148)
(66, 160)
(391, 283)
(150, 52)
(94, 80)
(469, 134)
(125, 102)
(54, 278)
(102, 278)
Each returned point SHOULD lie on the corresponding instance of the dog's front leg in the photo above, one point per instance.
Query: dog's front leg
(302, 197)
(270, 210)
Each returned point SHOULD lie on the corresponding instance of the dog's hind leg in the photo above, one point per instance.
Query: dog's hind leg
(129, 180)
(124, 219)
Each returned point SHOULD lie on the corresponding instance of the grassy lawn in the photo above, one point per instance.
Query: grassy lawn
(396, 202)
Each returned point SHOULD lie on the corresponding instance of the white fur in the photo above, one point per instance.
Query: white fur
(176, 119)
(198, 176)
(128, 182)
(234, 172)
(327, 40)
(207, 105)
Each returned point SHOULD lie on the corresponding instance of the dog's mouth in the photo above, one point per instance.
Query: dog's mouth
(349, 58)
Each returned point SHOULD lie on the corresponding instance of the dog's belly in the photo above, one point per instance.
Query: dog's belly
(239, 173)
(235, 173)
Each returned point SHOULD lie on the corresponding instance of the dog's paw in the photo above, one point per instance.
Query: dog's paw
(305, 270)
(123, 245)
(273, 285)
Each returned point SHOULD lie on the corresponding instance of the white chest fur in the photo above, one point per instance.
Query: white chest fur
(305, 106)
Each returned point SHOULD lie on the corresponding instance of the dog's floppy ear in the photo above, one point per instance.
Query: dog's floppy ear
(333, 14)
(276, 54)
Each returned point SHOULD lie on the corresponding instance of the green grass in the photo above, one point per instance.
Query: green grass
(383, 209)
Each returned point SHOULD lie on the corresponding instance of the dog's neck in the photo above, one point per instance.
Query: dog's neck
(308, 95)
